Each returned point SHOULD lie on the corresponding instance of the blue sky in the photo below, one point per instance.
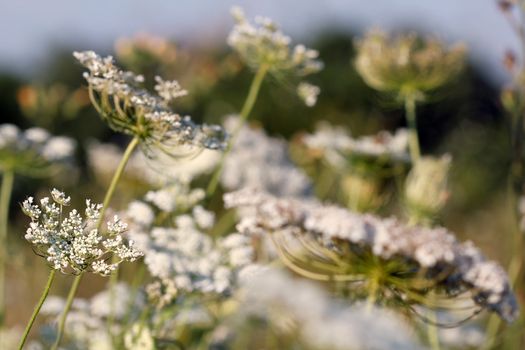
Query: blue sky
(30, 28)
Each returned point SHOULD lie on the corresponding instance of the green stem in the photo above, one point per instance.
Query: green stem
(410, 115)
(107, 199)
(245, 113)
(69, 302)
(37, 308)
(116, 178)
(432, 331)
(5, 199)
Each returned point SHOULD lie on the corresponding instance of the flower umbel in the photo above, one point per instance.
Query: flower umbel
(128, 108)
(329, 243)
(71, 243)
(33, 152)
(265, 44)
(406, 64)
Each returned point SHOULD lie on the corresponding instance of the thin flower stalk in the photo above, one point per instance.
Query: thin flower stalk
(63, 316)
(38, 306)
(5, 199)
(411, 118)
(247, 107)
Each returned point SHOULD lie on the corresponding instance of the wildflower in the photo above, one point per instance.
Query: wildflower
(71, 243)
(132, 110)
(343, 241)
(33, 152)
(257, 160)
(426, 188)
(308, 93)
(337, 145)
(305, 311)
(184, 259)
(406, 65)
(87, 320)
(366, 164)
(264, 44)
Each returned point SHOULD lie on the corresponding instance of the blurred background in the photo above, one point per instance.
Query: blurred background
(41, 85)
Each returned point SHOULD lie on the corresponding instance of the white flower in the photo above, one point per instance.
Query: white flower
(264, 44)
(308, 93)
(33, 152)
(428, 249)
(71, 244)
(133, 110)
(259, 161)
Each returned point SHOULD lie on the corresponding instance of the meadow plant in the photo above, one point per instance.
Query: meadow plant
(32, 153)
(408, 67)
(274, 265)
(405, 262)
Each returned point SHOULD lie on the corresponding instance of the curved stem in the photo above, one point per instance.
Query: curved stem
(5, 199)
(63, 317)
(37, 308)
(245, 113)
(410, 115)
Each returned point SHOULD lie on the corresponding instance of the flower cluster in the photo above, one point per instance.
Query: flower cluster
(183, 257)
(406, 64)
(337, 145)
(429, 254)
(87, 321)
(264, 44)
(73, 244)
(257, 160)
(304, 310)
(32, 152)
(127, 107)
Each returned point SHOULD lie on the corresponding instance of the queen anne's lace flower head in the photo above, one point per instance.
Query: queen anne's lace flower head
(127, 107)
(406, 64)
(264, 45)
(71, 243)
(33, 152)
(257, 160)
(431, 254)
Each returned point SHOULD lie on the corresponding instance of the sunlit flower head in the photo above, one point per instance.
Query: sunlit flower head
(263, 43)
(71, 243)
(128, 108)
(406, 64)
(329, 243)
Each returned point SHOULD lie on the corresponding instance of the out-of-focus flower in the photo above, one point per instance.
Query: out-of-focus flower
(308, 93)
(303, 311)
(364, 166)
(426, 187)
(342, 242)
(33, 152)
(73, 244)
(130, 109)
(87, 321)
(264, 44)
(405, 64)
(257, 160)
